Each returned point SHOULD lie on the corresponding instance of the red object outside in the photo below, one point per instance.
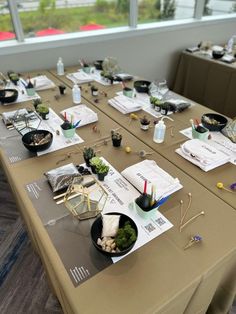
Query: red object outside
(49, 32)
(91, 27)
(7, 35)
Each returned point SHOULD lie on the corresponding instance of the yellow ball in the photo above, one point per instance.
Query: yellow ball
(220, 185)
(127, 149)
(133, 116)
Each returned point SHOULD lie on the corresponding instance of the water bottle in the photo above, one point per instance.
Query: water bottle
(60, 67)
(76, 94)
(160, 130)
(230, 45)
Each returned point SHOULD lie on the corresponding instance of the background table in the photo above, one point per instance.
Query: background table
(207, 81)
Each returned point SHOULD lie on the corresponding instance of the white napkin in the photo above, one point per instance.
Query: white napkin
(202, 154)
(148, 170)
(79, 77)
(42, 82)
(124, 104)
(82, 113)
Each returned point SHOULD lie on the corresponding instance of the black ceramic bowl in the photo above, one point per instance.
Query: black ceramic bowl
(98, 64)
(29, 137)
(142, 86)
(217, 54)
(96, 231)
(8, 96)
(213, 121)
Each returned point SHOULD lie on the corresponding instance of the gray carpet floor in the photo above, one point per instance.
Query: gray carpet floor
(23, 284)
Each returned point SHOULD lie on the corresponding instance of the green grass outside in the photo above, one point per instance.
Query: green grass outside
(70, 19)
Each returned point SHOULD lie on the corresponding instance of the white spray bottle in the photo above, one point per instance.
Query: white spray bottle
(160, 130)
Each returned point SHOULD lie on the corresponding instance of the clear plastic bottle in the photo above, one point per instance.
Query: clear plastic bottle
(76, 94)
(60, 67)
(160, 130)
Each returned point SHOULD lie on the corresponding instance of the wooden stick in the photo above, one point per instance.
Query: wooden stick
(189, 204)
(181, 212)
(191, 219)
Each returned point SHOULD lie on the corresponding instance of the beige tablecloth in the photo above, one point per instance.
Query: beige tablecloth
(160, 277)
(208, 82)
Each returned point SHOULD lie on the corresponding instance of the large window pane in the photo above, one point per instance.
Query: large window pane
(218, 7)
(52, 17)
(162, 10)
(6, 28)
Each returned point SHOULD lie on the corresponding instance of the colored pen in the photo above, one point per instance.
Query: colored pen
(145, 187)
(65, 118)
(71, 120)
(153, 195)
(76, 124)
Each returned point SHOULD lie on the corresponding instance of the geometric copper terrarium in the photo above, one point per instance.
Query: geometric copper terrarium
(85, 198)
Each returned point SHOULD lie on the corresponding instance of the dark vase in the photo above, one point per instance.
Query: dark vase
(87, 161)
(44, 115)
(116, 142)
(144, 126)
(101, 176)
(62, 89)
(93, 168)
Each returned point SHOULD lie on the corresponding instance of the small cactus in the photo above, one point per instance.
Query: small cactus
(115, 135)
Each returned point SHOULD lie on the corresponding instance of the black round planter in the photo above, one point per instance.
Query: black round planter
(87, 161)
(93, 168)
(101, 176)
(44, 115)
(62, 89)
(116, 142)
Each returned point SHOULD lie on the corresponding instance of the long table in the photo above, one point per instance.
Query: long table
(207, 81)
(225, 173)
(160, 277)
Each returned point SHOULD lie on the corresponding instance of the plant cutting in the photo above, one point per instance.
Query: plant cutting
(144, 123)
(94, 163)
(88, 154)
(14, 77)
(102, 170)
(156, 103)
(37, 102)
(116, 138)
(43, 111)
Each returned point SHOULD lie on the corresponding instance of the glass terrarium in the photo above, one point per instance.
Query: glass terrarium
(25, 122)
(85, 198)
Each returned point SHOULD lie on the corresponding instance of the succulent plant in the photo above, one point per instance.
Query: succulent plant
(88, 153)
(115, 135)
(102, 168)
(155, 101)
(42, 108)
(37, 102)
(14, 77)
(95, 161)
(144, 120)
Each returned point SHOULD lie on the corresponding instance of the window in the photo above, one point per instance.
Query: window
(6, 28)
(36, 18)
(162, 10)
(219, 7)
(52, 17)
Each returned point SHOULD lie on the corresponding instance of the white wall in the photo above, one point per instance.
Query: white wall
(148, 53)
